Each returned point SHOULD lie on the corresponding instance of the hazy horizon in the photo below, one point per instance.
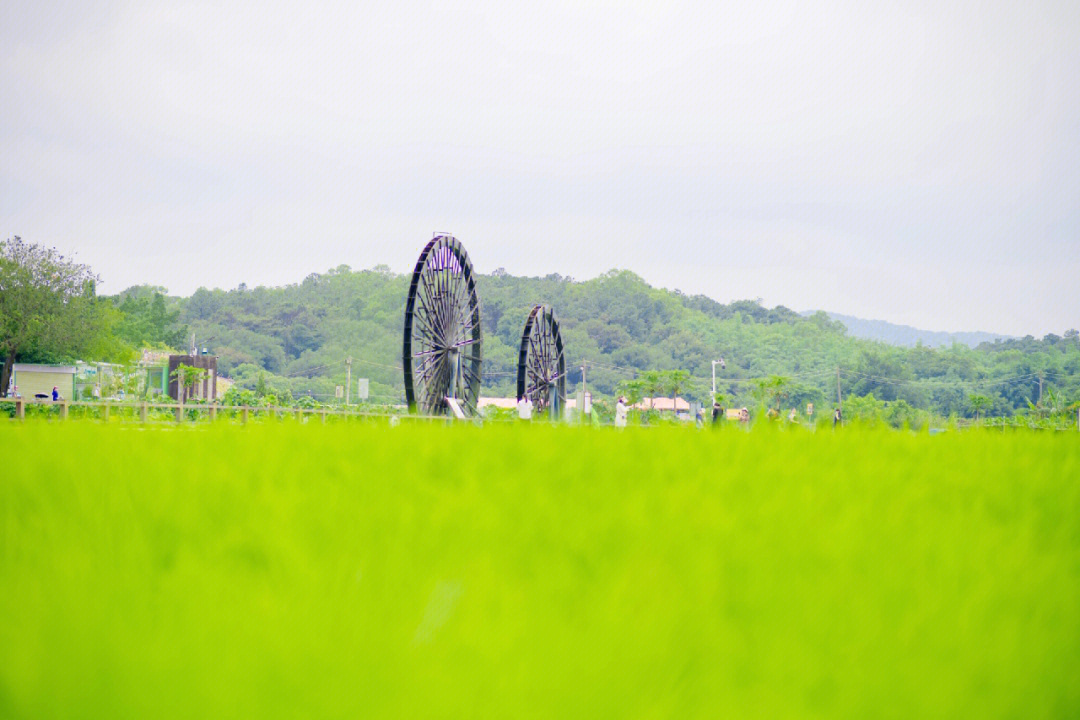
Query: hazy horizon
(918, 164)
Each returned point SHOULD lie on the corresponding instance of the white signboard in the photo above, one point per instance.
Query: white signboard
(362, 389)
(339, 391)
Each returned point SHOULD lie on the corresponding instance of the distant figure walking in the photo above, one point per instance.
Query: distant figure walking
(620, 412)
(717, 413)
(55, 393)
(837, 417)
(792, 415)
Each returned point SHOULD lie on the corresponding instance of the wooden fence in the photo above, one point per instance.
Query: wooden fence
(182, 411)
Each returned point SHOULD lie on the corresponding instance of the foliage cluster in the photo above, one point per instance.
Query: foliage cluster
(49, 310)
(292, 341)
(300, 335)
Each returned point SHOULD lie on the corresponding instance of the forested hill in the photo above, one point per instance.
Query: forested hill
(908, 336)
(300, 335)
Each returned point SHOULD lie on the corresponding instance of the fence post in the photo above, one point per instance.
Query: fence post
(244, 415)
(105, 412)
(142, 413)
(179, 413)
(213, 413)
(63, 410)
(299, 415)
(20, 411)
(323, 413)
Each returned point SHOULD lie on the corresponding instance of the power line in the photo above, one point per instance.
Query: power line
(340, 362)
(312, 369)
(952, 383)
(375, 364)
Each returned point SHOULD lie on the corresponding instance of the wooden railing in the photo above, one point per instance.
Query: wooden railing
(181, 410)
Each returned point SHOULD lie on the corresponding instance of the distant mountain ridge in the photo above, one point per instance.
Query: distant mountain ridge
(907, 336)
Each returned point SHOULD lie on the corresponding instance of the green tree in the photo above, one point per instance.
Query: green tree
(979, 404)
(187, 377)
(778, 389)
(261, 388)
(653, 383)
(634, 390)
(48, 308)
(771, 391)
(677, 382)
(146, 319)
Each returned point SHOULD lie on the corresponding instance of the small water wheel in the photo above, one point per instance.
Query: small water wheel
(541, 375)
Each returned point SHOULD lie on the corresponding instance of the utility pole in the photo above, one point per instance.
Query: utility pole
(839, 397)
(584, 387)
(348, 378)
(719, 362)
(1040, 391)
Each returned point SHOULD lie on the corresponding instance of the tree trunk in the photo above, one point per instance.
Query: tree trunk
(5, 373)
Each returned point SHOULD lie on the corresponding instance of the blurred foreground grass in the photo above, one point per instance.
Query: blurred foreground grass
(512, 571)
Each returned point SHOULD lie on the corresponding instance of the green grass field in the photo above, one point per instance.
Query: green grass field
(509, 571)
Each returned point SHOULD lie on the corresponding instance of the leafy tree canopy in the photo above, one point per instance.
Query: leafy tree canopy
(49, 311)
(300, 335)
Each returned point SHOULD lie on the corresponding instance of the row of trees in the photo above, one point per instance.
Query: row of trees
(634, 339)
(653, 383)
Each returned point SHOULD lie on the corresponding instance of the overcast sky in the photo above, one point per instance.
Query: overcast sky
(913, 162)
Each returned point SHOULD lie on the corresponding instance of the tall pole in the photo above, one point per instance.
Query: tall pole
(719, 362)
(714, 382)
(839, 397)
(348, 378)
(584, 387)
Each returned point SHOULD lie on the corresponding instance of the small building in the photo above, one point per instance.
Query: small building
(663, 404)
(206, 389)
(32, 380)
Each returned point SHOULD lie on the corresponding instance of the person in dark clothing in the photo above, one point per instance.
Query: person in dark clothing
(837, 417)
(717, 413)
(55, 393)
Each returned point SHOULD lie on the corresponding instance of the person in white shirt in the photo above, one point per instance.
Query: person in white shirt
(525, 408)
(620, 412)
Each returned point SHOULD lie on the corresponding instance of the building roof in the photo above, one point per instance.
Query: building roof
(662, 403)
(29, 367)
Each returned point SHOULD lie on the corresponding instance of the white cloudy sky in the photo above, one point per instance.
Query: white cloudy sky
(915, 162)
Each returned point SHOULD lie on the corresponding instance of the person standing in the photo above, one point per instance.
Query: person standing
(837, 417)
(525, 408)
(620, 412)
(55, 393)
